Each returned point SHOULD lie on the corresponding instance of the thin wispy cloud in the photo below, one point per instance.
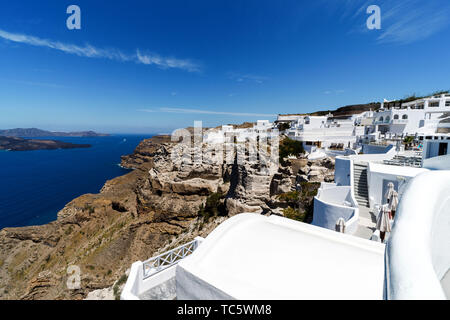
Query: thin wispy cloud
(90, 51)
(402, 21)
(333, 91)
(240, 77)
(411, 21)
(39, 84)
(197, 111)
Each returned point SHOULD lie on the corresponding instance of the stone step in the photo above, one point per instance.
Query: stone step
(361, 195)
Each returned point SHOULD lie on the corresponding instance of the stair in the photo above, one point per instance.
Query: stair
(360, 184)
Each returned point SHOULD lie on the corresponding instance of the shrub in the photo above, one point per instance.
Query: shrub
(408, 140)
(288, 147)
(116, 288)
(213, 207)
(291, 197)
(300, 203)
(294, 214)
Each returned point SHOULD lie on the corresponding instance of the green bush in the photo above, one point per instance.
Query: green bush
(116, 288)
(408, 140)
(213, 207)
(288, 147)
(300, 204)
(294, 214)
(291, 197)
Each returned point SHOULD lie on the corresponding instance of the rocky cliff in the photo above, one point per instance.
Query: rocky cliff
(147, 211)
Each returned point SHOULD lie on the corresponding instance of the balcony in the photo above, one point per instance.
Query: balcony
(399, 121)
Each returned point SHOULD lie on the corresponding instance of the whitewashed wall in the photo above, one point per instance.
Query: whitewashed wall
(418, 252)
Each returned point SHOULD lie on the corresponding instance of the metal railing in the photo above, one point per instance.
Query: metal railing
(169, 258)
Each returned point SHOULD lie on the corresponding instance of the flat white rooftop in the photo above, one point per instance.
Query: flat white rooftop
(251, 256)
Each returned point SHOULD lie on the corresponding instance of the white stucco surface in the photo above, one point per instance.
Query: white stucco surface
(437, 163)
(250, 256)
(377, 174)
(334, 203)
(418, 252)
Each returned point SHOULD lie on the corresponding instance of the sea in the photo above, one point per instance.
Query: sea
(35, 185)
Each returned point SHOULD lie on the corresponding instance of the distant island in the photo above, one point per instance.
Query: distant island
(35, 133)
(20, 144)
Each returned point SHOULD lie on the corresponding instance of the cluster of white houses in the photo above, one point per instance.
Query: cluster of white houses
(340, 255)
(419, 118)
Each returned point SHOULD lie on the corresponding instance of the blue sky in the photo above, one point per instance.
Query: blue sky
(153, 66)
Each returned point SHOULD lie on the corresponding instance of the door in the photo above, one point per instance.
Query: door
(443, 148)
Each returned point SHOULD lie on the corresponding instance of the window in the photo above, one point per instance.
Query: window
(447, 103)
(388, 119)
(381, 119)
(405, 117)
(434, 104)
(396, 117)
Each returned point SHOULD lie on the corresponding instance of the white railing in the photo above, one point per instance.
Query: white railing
(155, 272)
(168, 259)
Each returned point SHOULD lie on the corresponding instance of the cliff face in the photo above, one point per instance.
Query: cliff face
(101, 233)
(136, 216)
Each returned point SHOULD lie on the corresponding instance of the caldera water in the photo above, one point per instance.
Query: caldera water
(35, 185)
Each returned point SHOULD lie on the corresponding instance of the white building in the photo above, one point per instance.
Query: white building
(288, 118)
(327, 131)
(361, 182)
(250, 256)
(419, 117)
(229, 134)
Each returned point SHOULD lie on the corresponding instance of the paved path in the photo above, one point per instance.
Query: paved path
(366, 224)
